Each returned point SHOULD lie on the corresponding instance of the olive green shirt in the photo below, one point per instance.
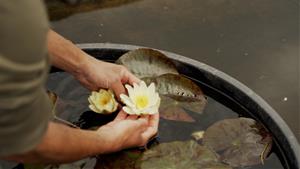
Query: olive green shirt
(24, 104)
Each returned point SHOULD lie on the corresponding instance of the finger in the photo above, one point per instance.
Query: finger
(118, 88)
(121, 116)
(152, 127)
(132, 117)
(154, 120)
(144, 119)
(129, 78)
(88, 85)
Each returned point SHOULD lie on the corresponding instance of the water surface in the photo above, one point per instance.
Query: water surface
(75, 109)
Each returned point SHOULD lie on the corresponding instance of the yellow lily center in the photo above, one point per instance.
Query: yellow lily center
(141, 101)
(105, 98)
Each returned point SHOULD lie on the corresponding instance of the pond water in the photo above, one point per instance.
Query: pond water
(73, 106)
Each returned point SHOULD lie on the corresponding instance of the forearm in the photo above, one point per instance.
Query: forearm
(63, 144)
(64, 54)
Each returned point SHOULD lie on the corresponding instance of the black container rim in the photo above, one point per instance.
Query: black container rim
(271, 113)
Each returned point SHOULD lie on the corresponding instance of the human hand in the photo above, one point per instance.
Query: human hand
(96, 74)
(128, 131)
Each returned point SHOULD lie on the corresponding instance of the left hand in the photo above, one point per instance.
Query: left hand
(96, 74)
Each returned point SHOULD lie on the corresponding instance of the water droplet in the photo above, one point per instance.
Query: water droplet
(283, 40)
(285, 99)
(101, 24)
(246, 54)
(166, 8)
(218, 50)
(100, 35)
(262, 77)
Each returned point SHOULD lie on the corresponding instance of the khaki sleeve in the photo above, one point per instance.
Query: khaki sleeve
(25, 108)
(24, 105)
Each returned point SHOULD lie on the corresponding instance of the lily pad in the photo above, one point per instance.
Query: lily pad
(172, 109)
(86, 163)
(239, 142)
(177, 86)
(178, 155)
(120, 160)
(146, 62)
(178, 94)
(57, 106)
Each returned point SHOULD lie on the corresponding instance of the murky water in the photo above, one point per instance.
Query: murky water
(73, 102)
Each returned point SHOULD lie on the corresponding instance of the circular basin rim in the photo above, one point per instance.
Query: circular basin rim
(273, 114)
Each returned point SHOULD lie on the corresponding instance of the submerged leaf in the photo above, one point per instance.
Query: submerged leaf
(171, 109)
(145, 62)
(240, 142)
(178, 155)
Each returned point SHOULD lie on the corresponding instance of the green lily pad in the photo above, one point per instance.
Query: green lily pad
(178, 155)
(146, 62)
(178, 94)
(239, 142)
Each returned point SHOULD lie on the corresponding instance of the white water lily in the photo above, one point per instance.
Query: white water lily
(103, 102)
(141, 100)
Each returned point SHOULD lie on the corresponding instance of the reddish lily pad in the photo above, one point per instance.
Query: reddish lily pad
(171, 109)
(178, 155)
(239, 142)
(145, 62)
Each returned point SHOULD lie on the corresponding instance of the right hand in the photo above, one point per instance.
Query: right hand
(127, 131)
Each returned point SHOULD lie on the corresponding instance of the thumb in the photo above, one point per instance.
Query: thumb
(118, 88)
(128, 77)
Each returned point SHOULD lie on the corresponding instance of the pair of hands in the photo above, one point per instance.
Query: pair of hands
(126, 130)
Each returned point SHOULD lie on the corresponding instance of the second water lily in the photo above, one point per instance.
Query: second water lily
(103, 102)
(141, 100)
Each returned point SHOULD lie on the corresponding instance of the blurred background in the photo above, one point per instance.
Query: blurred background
(256, 42)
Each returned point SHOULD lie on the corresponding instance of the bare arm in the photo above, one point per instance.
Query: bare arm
(90, 72)
(65, 55)
(64, 144)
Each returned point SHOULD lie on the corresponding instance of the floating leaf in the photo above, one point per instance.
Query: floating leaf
(178, 155)
(240, 142)
(177, 86)
(120, 160)
(177, 95)
(146, 62)
(86, 163)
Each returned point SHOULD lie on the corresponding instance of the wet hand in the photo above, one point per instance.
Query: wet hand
(128, 131)
(97, 74)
